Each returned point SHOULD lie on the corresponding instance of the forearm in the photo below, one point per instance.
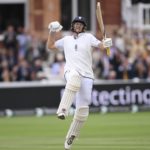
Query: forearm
(54, 28)
(101, 46)
(51, 41)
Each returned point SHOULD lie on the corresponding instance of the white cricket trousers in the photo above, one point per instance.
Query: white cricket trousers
(83, 96)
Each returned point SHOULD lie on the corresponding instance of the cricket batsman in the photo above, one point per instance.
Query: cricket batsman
(78, 71)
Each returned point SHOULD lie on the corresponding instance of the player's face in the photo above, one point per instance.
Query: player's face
(78, 27)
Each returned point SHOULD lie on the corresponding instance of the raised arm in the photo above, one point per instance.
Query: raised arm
(54, 28)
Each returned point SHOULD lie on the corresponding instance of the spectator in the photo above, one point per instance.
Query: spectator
(24, 70)
(10, 39)
(140, 66)
(125, 69)
(57, 68)
(5, 71)
(22, 42)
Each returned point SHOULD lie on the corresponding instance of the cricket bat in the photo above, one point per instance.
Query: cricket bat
(101, 24)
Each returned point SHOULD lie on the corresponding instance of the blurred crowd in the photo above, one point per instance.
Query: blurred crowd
(130, 56)
(24, 57)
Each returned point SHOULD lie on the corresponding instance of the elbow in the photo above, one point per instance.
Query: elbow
(50, 46)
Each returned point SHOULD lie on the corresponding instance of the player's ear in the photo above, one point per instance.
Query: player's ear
(84, 28)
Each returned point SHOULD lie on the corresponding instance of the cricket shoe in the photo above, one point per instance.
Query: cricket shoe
(62, 114)
(69, 142)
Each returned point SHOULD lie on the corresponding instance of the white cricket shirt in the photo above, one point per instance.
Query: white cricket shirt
(78, 52)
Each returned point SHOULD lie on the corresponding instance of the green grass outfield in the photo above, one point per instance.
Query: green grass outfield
(112, 131)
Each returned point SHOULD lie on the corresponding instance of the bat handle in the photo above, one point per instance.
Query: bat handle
(108, 48)
(108, 51)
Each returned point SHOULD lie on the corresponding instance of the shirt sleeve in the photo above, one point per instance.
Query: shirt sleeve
(59, 44)
(94, 41)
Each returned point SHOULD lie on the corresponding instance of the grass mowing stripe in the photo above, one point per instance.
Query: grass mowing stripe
(113, 131)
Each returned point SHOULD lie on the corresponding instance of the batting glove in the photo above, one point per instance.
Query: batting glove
(55, 26)
(107, 42)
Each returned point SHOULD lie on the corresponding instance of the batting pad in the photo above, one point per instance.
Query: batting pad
(74, 81)
(80, 117)
(72, 86)
(66, 101)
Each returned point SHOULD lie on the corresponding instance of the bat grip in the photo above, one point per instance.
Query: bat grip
(108, 51)
(108, 48)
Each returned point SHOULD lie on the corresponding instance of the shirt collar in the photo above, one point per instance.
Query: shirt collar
(77, 35)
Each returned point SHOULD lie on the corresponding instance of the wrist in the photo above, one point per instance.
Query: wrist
(52, 32)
